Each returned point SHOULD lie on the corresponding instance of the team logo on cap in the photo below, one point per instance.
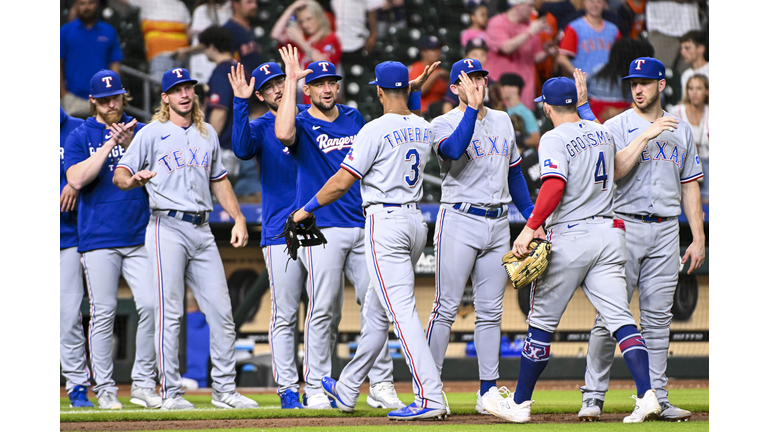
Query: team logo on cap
(470, 63)
(177, 71)
(265, 69)
(108, 80)
(324, 65)
(640, 63)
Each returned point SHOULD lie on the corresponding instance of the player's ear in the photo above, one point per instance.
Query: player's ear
(305, 89)
(258, 95)
(662, 85)
(454, 89)
(164, 97)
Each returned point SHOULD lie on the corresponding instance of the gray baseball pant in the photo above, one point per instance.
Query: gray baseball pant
(74, 364)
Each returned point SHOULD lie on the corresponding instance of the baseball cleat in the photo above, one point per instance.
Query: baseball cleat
(109, 400)
(415, 412)
(146, 397)
(382, 395)
(232, 400)
(591, 409)
(78, 398)
(670, 412)
(176, 403)
(317, 401)
(507, 409)
(329, 387)
(447, 407)
(646, 408)
(492, 393)
(289, 399)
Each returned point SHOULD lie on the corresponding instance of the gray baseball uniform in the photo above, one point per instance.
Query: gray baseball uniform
(181, 246)
(389, 155)
(469, 244)
(648, 200)
(587, 246)
(74, 366)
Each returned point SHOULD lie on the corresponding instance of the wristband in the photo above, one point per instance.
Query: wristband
(414, 100)
(312, 205)
(585, 112)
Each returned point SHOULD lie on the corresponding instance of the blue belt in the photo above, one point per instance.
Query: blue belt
(195, 219)
(493, 214)
(648, 219)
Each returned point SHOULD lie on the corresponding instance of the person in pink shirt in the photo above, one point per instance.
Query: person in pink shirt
(515, 47)
(478, 20)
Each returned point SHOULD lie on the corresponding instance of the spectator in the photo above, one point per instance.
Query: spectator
(693, 49)
(392, 14)
(515, 46)
(694, 110)
(245, 46)
(218, 111)
(87, 45)
(587, 40)
(356, 28)
(632, 15)
(609, 94)
(511, 87)
(206, 13)
(478, 20)
(564, 11)
(667, 20)
(436, 85)
(164, 25)
(476, 49)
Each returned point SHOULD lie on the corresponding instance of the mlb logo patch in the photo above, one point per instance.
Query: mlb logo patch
(551, 163)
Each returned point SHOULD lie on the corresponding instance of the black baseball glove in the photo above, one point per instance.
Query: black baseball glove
(307, 229)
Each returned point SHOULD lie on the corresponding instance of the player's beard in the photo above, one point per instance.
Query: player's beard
(322, 106)
(112, 117)
(177, 109)
(649, 102)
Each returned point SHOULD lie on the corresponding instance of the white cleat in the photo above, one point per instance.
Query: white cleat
(492, 393)
(109, 400)
(176, 403)
(232, 400)
(383, 395)
(146, 397)
(318, 401)
(591, 409)
(646, 408)
(507, 409)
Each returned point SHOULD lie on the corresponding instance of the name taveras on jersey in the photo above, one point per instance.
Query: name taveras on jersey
(194, 158)
(408, 135)
(592, 139)
(327, 145)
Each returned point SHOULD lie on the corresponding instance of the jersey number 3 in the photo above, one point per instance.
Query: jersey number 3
(600, 175)
(413, 177)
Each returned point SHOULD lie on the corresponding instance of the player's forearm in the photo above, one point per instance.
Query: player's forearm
(285, 120)
(626, 158)
(225, 195)
(81, 174)
(335, 187)
(241, 130)
(692, 208)
(518, 190)
(454, 146)
(122, 179)
(549, 197)
(511, 45)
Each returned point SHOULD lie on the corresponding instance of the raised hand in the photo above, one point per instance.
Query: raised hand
(122, 133)
(581, 86)
(141, 178)
(474, 95)
(417, 83)
(240, 85)
(667, 123)
(293, 69)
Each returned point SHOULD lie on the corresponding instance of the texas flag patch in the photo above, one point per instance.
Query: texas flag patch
(551, 163)
(351, 155)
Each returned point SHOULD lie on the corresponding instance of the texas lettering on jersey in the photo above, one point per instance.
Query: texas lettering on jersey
(661, 150)
(475, 148)
(194, 158)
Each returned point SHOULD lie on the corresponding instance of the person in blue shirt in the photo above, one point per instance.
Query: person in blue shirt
(71, 338)
(111, 228)
(511, 87)
(245, 45)
(86, 45)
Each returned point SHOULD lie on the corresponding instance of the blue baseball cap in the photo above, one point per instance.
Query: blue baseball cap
(558, 91)
(467, 65)
(176, 76)
(391, 74)
(266, 72)
(106, 83)
(647, 67)
(321, 69)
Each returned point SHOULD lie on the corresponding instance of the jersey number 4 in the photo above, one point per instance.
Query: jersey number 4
(413, 177)
(600, 175)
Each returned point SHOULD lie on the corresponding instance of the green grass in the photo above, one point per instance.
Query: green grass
(547, 402)
(549, 427)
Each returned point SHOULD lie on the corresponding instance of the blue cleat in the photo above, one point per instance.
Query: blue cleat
(329, 386)
(289, 399)
(78, 398)
(414, 412)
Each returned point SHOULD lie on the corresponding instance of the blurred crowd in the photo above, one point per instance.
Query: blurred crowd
(521, 43)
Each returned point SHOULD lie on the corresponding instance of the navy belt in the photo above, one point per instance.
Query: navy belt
(493, 213)
(648, 219)
(400, 205)
(195, 219)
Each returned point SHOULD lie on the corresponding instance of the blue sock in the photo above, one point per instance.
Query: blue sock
(532, 363)
(486, 385)
(635, 354)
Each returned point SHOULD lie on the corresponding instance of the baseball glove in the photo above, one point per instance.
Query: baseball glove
(522, 271)
(307, 229)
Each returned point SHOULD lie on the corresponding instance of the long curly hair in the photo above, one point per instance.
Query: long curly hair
(163, 114)
(622, 53)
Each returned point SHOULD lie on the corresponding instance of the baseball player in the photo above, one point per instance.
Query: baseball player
(480, 169)
(388, 156)
(659, 169)
(278, 182)
(177, 158)
(110, 230)
(318, 139)
(71, 338)
(576, 199)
